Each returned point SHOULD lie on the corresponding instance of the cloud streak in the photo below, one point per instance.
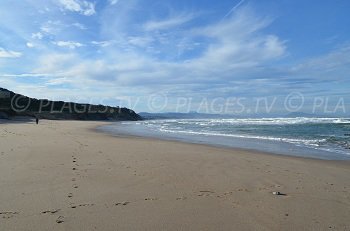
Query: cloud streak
(113, 2)
(168, 23)
(235, 7)
(9, 54)
(68, 44)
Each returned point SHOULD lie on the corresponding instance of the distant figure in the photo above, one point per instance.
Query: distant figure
(37, 120)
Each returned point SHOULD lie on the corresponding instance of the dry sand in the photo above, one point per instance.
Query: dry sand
(61, 175)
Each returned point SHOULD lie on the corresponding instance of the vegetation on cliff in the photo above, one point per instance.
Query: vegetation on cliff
(12, 104)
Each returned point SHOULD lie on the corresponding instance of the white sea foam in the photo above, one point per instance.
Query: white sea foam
(324, 137)
(258, 121)
(289, 140)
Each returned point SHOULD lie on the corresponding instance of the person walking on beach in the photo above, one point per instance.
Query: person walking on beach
(37, 120)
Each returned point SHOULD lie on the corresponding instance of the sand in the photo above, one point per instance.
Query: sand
(61, 175)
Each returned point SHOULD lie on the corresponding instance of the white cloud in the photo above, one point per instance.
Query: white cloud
(113, 2)
(9, 54)
(57, 81)
(239, 43)
(54, 63)
(37, 35)
(25, 75)
(79, 26)
(69, 44)
(50, 27)
(333, 66)
(83, 7)
(168, 23)
(140, 41)
(103, 43)
(331, 61)
(71, 5)
(234, 49)
(30, 45)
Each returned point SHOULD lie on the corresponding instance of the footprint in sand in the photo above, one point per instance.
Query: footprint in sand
(122, 203)
(235, 204)
(228, 193)
(242, 190)
(60, 219)
(205, 193)
(7, 215)
(225, 194)
(70, 195)
(151, 199)
(85, 205)
(50, 211)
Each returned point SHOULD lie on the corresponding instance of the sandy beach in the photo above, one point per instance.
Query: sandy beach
(62, 175)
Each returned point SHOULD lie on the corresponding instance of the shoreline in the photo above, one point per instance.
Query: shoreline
(98, 129)
(65, 175)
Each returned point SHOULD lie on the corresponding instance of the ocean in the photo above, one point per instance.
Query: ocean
(321, 138)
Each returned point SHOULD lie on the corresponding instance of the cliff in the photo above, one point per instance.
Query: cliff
(12, 104)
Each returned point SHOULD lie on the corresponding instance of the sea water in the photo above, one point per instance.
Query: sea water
(323, 138)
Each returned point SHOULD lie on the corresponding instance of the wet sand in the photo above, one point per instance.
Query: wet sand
(61, 175)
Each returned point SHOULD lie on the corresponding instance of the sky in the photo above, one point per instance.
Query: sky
(223, 56)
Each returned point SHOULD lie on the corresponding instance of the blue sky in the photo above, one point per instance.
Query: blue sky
(125, 51)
